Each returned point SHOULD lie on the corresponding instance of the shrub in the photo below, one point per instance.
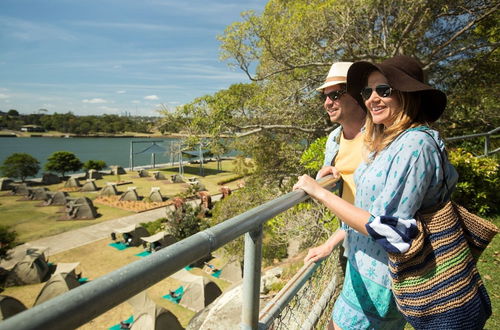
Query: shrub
(312, 159)
(308, 223)
(156, 226)
(20, 165)
(192, 190)
(185, 221)
(230, 179)
(242, 165)
(7, 240)
(94, 165)
(477, 187)
(241, 200)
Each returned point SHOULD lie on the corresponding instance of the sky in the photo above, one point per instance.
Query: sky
(94, 57)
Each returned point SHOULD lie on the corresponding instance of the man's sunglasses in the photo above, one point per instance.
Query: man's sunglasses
(333, 96)
(382, 91)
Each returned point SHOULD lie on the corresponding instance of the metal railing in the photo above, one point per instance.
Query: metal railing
(487, 140)
(82, 304)
(306, 299)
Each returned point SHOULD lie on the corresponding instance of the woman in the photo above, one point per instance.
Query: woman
(400, 175)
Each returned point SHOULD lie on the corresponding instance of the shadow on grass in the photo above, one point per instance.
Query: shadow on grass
(194, 169)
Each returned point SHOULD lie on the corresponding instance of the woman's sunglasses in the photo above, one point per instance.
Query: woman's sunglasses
(333, 96)
(382, 91)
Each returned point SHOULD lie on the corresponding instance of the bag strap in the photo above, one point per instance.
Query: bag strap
(443, 164)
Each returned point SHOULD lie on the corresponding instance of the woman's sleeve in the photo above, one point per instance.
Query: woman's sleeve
(410, 171)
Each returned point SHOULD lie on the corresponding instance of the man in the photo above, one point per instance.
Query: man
(344, 145)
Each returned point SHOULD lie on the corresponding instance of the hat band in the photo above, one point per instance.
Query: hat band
(337, 78)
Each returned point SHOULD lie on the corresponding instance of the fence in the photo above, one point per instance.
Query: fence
(82, 304)
(86, 302)
(306, 301)
(487, 140)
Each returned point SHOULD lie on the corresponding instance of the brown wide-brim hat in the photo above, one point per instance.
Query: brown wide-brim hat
(404, 74)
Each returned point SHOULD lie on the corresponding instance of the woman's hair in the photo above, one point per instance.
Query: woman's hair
(378, 137)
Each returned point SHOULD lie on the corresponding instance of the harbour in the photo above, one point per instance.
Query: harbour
(113, 151)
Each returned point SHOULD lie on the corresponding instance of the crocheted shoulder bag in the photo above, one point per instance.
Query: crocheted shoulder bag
(436, 283)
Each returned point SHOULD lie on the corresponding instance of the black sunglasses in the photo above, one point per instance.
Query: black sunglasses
(382, 91)
(333, 96)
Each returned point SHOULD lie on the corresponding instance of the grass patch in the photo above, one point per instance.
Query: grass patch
(488, 266)
(32, 221)
(97, 259)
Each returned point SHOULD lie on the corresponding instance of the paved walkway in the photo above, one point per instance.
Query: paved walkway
(82, 236)
(85, 235)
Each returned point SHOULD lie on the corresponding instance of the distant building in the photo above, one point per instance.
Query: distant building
(32, 128)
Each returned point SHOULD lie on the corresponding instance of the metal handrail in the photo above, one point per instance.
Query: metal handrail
(80, 305)
(470, 136)
(487, 136)
(285, 295)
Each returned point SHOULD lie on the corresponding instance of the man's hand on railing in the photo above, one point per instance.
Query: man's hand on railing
(328, 170)
(317, 253)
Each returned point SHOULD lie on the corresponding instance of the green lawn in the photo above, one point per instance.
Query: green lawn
(31, 220)
(489, 265)
(97, 259)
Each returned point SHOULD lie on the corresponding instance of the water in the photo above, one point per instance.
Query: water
(113, 151)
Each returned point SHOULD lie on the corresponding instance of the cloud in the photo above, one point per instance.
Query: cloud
(136, 26)
(4, 96)
(151, 97)
(33, 31)
(121, 92)
(95, 100)
(136, 102)
(109, 109)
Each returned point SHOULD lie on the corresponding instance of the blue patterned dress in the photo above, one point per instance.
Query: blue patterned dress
(403, 178)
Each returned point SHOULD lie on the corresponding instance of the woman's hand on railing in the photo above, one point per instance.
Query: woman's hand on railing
(308, 184)
(312, 187)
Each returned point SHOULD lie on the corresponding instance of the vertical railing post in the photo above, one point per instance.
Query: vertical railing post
(486, 145)
(131, 155)
(251, 279)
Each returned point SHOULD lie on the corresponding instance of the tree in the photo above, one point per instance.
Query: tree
(7, 241)
(287, 50)
(13, 113)
(294, 42)
(62, 162)
(474, 110)
(94, 165)
(307, 223)
(242, 200)
(20, 165)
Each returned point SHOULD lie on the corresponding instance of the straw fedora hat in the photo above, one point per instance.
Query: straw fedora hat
(403, 73)
(336, 75)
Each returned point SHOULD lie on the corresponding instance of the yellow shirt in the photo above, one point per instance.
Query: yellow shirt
(347, 161)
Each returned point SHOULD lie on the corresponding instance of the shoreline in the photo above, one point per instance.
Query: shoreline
(28, 135)
(19, 134)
